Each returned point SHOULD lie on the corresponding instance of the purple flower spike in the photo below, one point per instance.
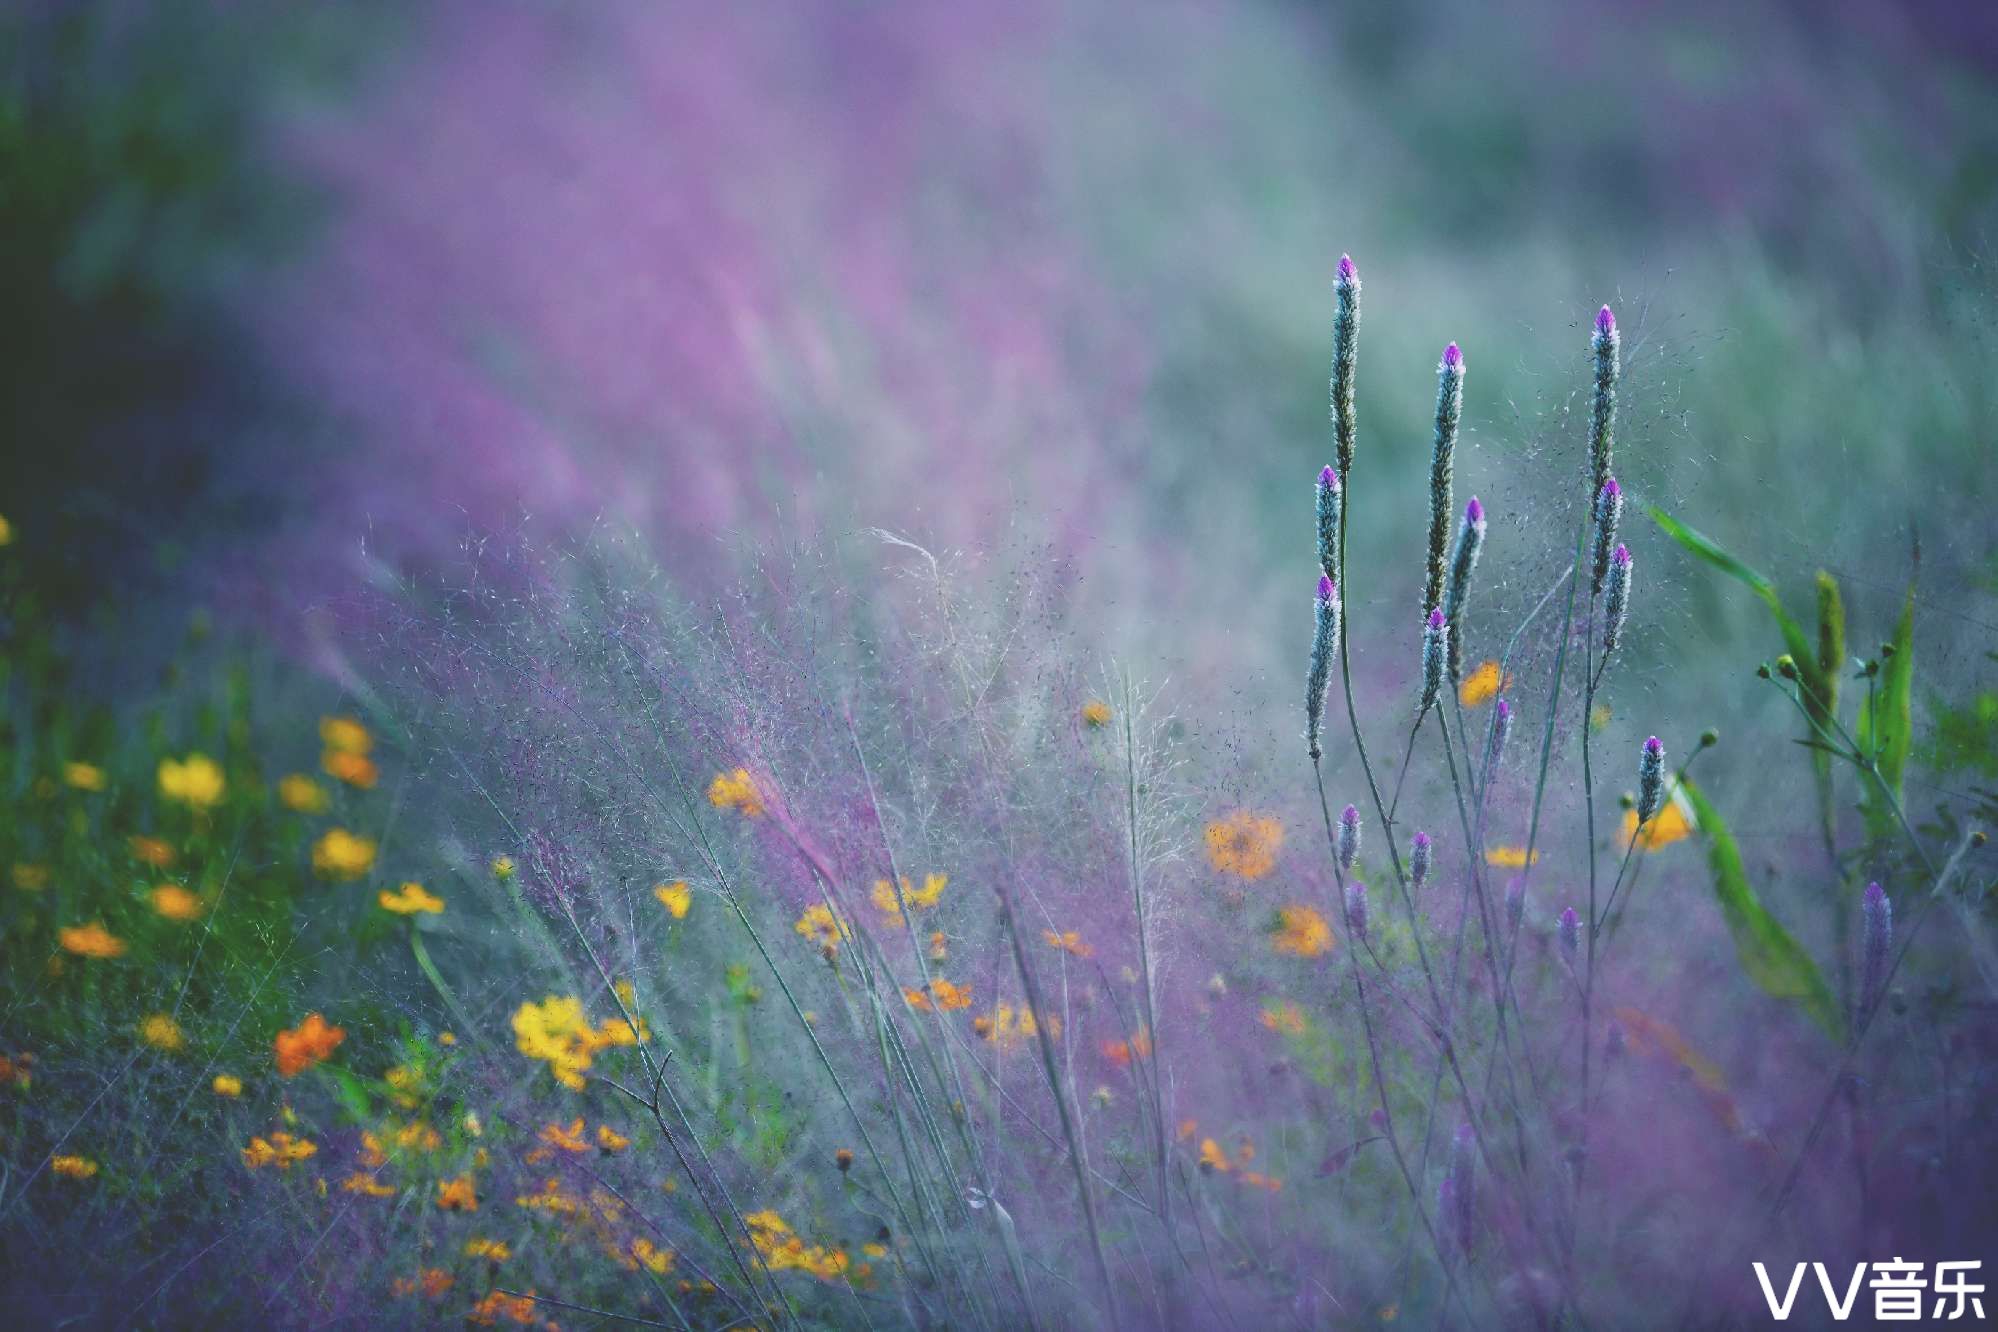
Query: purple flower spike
(1436, 618)
(1653, 746)
(1328, 479)
(1504, 712)
(1474, 512)
(1347, 272)
(1419, 855)
(1349, 838)
(1622, 556)
(1611, 490)
(1453, 358)
(1326, 589)
(1605, 322)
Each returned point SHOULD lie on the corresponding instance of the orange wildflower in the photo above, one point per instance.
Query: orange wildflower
(1301, 932)
(1069, 942)
(1244, 844)
(91, 940)
(457, 1195)
(942, 997)
(737, 791)
(311, 1041)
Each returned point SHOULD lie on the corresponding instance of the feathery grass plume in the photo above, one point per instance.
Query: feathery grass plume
(1328, 522)
(1618, 604)
(1420, 854)
(1345, 342)
(1470, 541)
(1349, 838)
(1435, 655)
(1609, 511)
(1457, 1197)
(1877, 939)
(1324, 642)
(1449, 408)
(1602, 423)
(1570, 935)
(1356, 908)
(1650, 780)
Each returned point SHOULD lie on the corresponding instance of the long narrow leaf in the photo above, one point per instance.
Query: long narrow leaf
(1886, 723)
(1772, 958)
(1801, 649)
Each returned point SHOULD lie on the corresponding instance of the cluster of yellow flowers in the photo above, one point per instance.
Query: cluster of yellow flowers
(557, 1032)
(347, 748)
(280, 1150)
(195, 781)
(1244, 845)
(737, 791)
(783, 1251)
(1006, 1026)
(918, 899)
(1301, 932)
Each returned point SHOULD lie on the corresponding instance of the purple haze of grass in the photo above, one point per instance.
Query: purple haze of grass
(1570, 935)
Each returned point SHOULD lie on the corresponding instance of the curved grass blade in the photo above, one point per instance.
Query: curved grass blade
(1772, 958)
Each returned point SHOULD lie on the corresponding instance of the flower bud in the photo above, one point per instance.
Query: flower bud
(1602, 424)
(1449, 408)
(1419, 853)
(1608, 512)
(1650, 780)
(1435, 648)
(1349, 838)
(1345, 339)
(1328, 522)
(1324, 643)
(1356, 908)
(1618, 604)
(1470, 541)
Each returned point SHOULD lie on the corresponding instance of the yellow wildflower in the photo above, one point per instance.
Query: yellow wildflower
(492, 1250)
(947, 997)
(498, 1304)
(83, 776)
(1301, 932)
(160, 1031)
(651, 1257)
(152, 851)
(227, 1084)
(176, 903)
(195, 781)
(364, 1183)
(1670, 824)
(502, 867)
(299, 792)
(675, 897)
(1481, 685)
(73, 1167)
(457, 1195)
(556, 1031)
(418, 1136)
(410, 899)
(1069, 942)
(1284, 1017)
(1007, 1026)
(1096, 714)
(280, 1150)
(569, 1139)
(30, 877)
(345, 735)
(610, 1140)
(918, 899)
(340, 854)
(1213, 1160)
(1509, 857)
(737, 791)
(91, 940)
(821, 926)
(6, 533)
(1244, 844)
(353, 769)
